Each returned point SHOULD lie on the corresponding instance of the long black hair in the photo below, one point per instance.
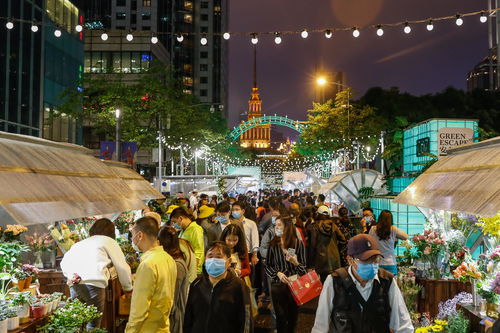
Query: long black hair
(241, 246)
(384, 224)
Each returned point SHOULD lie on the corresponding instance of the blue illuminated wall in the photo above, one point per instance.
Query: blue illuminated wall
(428, 129)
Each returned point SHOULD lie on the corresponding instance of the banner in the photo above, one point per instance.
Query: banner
(107, 150)
(449, 137)
(129, 151)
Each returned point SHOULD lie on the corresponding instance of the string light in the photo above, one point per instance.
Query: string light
(58, 33)
(104, 36)
(328, 33)
(204, 40)
(9, 25)
(304, 34)
(129, 37)
(254, 39)
(226, 35)
(355, 32)
(380, 31)
(483, 18)
(154, 39)
(430, 25)
(34, 27)
(180, 38)
(277, 38)
(78, 28)
(459, 20)
(407, 28)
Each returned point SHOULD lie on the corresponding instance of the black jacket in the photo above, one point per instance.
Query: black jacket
(222, 309)
(322, 249)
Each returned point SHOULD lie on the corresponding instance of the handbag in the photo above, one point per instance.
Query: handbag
(306, 287)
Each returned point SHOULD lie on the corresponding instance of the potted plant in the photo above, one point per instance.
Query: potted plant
(4, 321)
(23, 279)
(32, 273)
(73, 317)
(22, 300)
(38, 310)
(13, 319)
(5, 281)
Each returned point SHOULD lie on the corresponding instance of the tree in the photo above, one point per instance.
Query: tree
(334, 124)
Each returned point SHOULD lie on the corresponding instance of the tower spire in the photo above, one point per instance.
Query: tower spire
(255, 66)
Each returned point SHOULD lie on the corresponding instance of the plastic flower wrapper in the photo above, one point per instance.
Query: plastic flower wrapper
(495, 284)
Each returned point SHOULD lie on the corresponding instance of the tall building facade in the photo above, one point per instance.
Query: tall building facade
(257, 137)
(36, 67)
(481, 78)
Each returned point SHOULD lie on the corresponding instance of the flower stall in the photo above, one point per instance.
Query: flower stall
(459, 249)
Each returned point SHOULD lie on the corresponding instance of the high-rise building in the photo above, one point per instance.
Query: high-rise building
(332, 83)
(257, 137)
(36, 66)
(480, 78)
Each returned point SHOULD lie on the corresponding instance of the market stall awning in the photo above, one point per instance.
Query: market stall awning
(43, 181)
(467, 180)
(143, 189)
(347, 185)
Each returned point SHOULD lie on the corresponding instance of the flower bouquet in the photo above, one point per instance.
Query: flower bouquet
(12, 233)
(409, 288)
(467, 271)
(429, 247)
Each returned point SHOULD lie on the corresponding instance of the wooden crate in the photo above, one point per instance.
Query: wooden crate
(435, 291)
(52, 281)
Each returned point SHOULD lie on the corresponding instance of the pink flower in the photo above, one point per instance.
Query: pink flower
(427, 250)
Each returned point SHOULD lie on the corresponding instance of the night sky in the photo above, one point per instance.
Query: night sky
(419, 63)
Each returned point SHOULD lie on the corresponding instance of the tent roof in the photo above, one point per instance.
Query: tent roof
(136, 182)
(43, 181)
(467, 180)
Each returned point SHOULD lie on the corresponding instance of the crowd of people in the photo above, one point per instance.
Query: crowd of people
(209, 264)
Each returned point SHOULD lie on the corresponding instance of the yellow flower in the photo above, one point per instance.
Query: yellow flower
(441, 322)
(422, 330)
(437, 328)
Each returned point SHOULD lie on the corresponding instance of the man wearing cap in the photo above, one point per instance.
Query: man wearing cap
(362, 298)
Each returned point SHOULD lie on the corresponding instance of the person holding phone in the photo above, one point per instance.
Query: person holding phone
(286, 258)
(368, 220)
(234, 238)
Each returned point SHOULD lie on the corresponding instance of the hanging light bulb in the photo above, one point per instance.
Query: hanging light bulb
(430, 26)
(180, 38)
(129, 37)
(380, 31)
(104, 36)
(304, 34)
(9, 25)
(204, 40)
(483, 18)
(154, 39)
(328, 33)
(277, 38)
(34, 27)
(57, 32)
(226, 35)
(407, 28)
(355, 32)
(78, 28)
(459, 20)
(254, 39)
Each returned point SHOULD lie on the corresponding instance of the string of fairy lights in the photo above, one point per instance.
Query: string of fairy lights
(279, 36)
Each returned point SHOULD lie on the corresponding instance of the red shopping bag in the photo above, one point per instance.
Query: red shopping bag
(306, 287)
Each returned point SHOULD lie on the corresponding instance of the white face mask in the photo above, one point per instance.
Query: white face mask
(136, 248)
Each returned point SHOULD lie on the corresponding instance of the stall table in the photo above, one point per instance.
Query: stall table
(31, 326)
(435, 291)
(475, 318)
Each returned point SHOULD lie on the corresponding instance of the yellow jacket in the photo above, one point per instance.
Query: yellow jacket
(194, 234)
(153, 293)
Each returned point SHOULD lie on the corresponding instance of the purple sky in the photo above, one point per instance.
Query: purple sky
(419, 63)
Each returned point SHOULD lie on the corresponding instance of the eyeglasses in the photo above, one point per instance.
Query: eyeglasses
(373, 260)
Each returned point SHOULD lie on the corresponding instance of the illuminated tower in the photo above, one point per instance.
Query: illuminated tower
(257, 137)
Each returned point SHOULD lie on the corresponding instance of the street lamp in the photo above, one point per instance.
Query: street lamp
(118, 149)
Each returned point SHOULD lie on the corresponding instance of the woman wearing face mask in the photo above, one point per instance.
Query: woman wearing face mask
(286, 257)
(218, 300)
(235, 239)
(387, 234)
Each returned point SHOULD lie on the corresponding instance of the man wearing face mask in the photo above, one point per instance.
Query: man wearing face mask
(212, 230)
(154, 286)
(362, 298)
(218, 300)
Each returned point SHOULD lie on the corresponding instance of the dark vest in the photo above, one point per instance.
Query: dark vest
(351, 314)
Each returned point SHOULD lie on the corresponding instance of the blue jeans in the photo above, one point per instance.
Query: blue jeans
(90, 295)
(390, 268)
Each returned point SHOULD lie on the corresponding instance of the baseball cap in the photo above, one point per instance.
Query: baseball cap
(324, 210)
(206, 211)
(171, 208)
(362, 247)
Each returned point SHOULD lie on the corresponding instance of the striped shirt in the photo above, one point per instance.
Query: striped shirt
(276, 262)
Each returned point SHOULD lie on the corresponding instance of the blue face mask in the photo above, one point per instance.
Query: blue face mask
(177, 226)
(273, 220)
(367, 271)
(236, 215)
(221, 219)
(215, 267)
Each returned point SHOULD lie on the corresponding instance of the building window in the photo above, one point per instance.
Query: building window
(188, 18)
(187, 68)
(204, 17)
(204, 79)
(188, 5)
(134, 5)
(133, 19)
(217, 9)
(146, 27)
(204, 29)
(121, 16)
(204, 4)
(146, 16)
(204, 55)
(204, 92)
(203, 67)
(120, 28)
(121, 3)
(146, 3)
(187, 81)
